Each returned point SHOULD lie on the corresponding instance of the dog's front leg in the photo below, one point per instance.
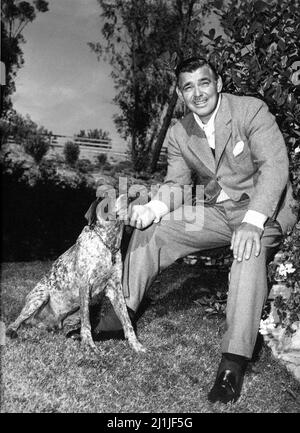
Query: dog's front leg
(114, 292)
(85, 332)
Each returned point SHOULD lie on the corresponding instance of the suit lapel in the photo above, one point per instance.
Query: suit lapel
(198, 145)
(222, 128)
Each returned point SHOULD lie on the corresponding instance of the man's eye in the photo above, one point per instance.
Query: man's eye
(187, 88)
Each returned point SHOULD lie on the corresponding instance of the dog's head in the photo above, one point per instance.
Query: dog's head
(107, 208)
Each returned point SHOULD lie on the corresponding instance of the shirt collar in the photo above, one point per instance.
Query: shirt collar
(211, 121)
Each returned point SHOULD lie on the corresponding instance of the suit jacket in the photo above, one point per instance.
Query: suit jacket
(250, 159)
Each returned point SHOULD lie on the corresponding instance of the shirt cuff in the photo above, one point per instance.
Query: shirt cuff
(256, 218)
(159, 208)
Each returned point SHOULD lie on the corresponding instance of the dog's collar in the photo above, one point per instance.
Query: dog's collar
(111, 236)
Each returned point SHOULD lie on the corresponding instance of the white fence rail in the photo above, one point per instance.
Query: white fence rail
(89, 147)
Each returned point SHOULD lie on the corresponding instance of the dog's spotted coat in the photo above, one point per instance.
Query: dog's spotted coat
(91, 266)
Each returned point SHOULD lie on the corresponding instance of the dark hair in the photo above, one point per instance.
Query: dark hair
(191, 64)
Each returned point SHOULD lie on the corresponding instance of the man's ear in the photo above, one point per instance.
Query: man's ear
(179, 93)
(219, 84)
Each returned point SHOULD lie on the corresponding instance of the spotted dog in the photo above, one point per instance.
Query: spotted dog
(91, 266)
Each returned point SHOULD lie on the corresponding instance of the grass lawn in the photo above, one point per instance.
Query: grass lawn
(45, 372)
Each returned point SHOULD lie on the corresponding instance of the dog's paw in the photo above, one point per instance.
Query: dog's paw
(11, 333)
(138, 347)
(88, 345)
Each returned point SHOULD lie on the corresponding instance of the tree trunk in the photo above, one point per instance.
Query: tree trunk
(186, 21)
(163, 131)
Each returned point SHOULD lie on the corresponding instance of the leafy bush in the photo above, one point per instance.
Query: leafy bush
(260, 56)
(36, 146)
(43, 206)
(84, 165)
(71, 152)
(286, 270)
(101, 159)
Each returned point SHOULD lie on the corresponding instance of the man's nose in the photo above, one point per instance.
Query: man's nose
(198, 91)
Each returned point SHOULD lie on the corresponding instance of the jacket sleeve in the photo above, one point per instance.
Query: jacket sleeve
(172, 191)
(269, 154)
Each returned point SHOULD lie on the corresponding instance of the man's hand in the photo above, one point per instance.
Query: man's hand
(140, 216)
(246, 241)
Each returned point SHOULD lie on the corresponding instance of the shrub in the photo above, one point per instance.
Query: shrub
(101, 159)
(84, 165)
(36, 146)
(71, 152)
(260, 56)
(19, 165)
(286, 270)
(49, 203)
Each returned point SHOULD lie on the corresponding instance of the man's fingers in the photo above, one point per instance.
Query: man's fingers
(140, 216)
(128, 214)
(232, 240)
(133, 219)
(132, 216)
(245, 242)
(138, 223)
(136, 217)
(241, 249)
(257, 245)
(244, 247)
(248, 249)
(236, 243)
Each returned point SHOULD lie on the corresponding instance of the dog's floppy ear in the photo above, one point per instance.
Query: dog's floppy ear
(91, 215)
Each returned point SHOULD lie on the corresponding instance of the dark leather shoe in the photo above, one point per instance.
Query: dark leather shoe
(228, 384)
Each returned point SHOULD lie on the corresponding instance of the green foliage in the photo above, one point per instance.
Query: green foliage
(260, 56)
(23, 131)
(71, 152)
(37, 146)
(51, 201)
(286, 270)
(20, 128)
(15, 16)
(99, 134)
(17, 164)
(214, 304)
(101, 159)
(137, 35)
(84, 166)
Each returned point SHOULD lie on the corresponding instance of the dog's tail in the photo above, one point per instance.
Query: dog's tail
(34, 302)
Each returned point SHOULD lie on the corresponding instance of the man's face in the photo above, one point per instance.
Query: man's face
(200, 91)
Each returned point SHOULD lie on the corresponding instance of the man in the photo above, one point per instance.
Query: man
(233, 146)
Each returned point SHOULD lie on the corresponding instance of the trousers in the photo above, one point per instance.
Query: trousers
(191, 229)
